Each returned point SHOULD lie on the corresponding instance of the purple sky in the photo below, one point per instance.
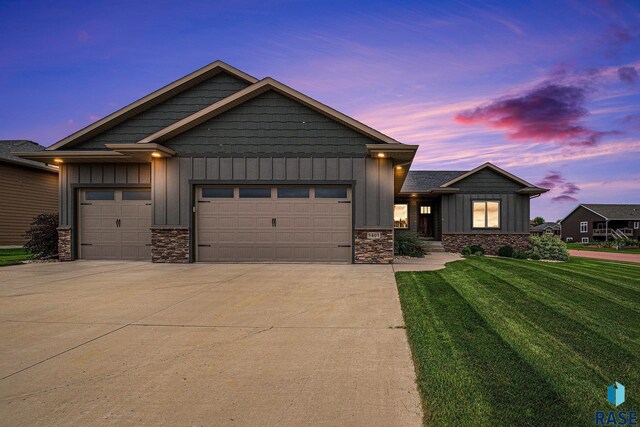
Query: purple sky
(550, 91)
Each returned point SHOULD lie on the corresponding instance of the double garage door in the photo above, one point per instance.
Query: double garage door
(115, 224)
(273, 224)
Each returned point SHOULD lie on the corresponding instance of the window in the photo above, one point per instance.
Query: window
(486, 214)
(569, 239)
(99, 195)
(136, 195)
(585, 240)
(218, 192)
(425, 210)
(331, 192)
(293, 192)
(636, 225)
(401, 216)
(584, 227)
(255, 192)
(548, 231)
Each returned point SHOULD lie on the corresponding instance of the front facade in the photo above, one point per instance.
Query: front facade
(221, 167)
(597, 222)
(27, 189)
(547, 229)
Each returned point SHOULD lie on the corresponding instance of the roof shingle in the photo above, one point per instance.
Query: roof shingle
(13, 146)
(615, 211)
(417, 181)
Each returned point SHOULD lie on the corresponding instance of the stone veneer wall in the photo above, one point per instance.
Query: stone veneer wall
(170, 245)
(490, 242)
(373, 251)
(64, 244)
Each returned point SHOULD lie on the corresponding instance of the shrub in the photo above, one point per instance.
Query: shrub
(465, 251)
(535, 257)
(520, 255)
(548, 247)
(43, 236)
(473, 250)
(506, 251)
(407, 243)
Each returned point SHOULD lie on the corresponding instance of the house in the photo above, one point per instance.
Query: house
(590, 222)
(219, 166)
(546, 229)
(27, 188)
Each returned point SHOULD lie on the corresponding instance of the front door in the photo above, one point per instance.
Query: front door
(425, 221)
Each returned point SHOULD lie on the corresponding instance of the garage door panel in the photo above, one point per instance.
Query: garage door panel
(306, 229)
(103, 237)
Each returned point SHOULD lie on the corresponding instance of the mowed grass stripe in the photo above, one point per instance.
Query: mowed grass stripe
(507, 320)
(561, 366)
(580, 306)
(495, 387)
(616, 362)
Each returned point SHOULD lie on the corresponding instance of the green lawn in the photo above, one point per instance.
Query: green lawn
(512, 342)
(581, 247)
(12, 256)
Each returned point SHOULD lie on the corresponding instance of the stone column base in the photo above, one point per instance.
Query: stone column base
(64, 244)
(373, 246)
(170, 245)
(489, 242)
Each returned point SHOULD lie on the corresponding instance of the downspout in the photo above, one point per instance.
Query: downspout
(606, 230)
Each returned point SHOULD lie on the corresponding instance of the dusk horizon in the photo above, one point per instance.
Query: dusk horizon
(550, 92)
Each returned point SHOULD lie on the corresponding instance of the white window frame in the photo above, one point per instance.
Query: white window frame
(584, 240)
(425, 210)
(636, 225)
(584, 227)
(548, 231)
(569, 239)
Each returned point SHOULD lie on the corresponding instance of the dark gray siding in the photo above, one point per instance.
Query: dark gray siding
(487, 180)
(373, 190)
(270, 124)
(89, 174)
(162, 115)
(485, 185)
(457, 208)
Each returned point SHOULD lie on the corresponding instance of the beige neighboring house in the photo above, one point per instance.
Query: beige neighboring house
(27, 188)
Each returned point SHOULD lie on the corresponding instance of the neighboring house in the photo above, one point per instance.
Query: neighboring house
(589, 222)
(221, 167)
(546, 229)
(27, 188)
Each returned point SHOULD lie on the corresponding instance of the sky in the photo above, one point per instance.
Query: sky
(549, 90)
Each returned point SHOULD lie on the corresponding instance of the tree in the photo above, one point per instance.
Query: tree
(538, 220)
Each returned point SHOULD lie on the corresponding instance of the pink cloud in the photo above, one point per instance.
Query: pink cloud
(555, 182)
(550, 112)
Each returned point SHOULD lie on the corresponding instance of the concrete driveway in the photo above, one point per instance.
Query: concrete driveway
(124, 343)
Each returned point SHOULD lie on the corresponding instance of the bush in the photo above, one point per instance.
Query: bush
(548, 247)
(535, 257)
(520, 255)
(43, 236)
(473, 250)
(406, 243)
(506, 251)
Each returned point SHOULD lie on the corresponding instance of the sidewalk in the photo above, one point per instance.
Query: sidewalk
(611, 256)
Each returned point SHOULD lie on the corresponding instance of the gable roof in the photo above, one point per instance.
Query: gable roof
(8, 147)
(251, 92)
(494, 168)
(611, 211)
(151, 100)
(546, 225)
(418, 181)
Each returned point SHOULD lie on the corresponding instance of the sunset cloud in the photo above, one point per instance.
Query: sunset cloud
(555, 182)
(551, 112)
(628, 75)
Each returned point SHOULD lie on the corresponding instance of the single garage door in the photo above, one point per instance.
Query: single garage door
(274, 224)
(115, 224)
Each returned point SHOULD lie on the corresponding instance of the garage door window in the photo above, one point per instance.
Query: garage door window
(218, 193)
(331, 193)
(99, 195)
(255, 193)
(136, 195)
(293, 192)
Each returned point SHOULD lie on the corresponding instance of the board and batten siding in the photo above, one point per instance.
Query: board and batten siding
(74, 175)
(25, 193)
(485, 185)
(373, 189)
